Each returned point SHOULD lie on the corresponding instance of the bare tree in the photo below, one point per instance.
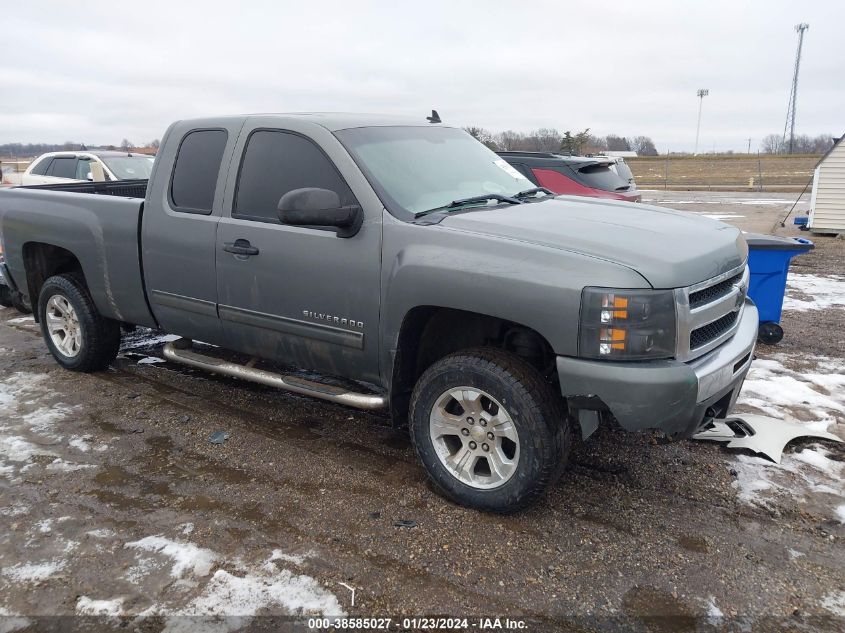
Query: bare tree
(482, 135)
(155, 143)
(643, 146)
(547, 139)
(126, 144)
(594, 145)
(509, 140)
(771, 144)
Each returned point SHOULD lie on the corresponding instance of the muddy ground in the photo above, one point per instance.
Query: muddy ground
(113, 501)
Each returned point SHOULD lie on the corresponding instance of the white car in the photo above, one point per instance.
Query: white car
(58, 167)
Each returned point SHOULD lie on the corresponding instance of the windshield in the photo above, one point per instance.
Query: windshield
(129, 167)
(415, 169)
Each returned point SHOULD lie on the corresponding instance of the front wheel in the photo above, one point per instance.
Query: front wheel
(78, 336)
(491, 433)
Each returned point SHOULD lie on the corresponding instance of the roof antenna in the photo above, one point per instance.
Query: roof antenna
(434, 118)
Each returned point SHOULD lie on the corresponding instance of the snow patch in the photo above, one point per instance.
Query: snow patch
(80, 443)
(151, 360)
(769, 385)
(714, 613)
(12, 622)
(825, 292)
(186, 557)
(835, 603)
(242, 597)
(21, 320)
(794, 553)
(101, 533)
(14, 510)
(784, 394)
(33, 572)
(296, 559)
(87, 606)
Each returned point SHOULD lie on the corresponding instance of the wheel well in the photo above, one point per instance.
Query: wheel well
(42, 261)
(429, 333)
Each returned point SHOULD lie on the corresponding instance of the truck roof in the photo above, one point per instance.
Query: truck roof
(332, 121)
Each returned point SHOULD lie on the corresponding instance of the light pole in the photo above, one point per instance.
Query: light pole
(702, 92)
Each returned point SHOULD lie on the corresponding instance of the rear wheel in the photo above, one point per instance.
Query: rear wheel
(490, 431)
(79, 338)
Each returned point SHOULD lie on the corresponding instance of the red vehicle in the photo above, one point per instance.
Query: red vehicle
(597, 177)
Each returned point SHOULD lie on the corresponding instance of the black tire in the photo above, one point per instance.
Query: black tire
(100, 337)
(5, 296)
(20, 303)
(537, 412)
(770, 333)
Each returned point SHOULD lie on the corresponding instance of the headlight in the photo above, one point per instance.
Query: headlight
(627, 324)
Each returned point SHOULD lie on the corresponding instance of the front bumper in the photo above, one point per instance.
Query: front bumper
(670, 395)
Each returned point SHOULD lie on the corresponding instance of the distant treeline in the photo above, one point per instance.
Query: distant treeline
(568, 142)
(34, 149)
(581, 143)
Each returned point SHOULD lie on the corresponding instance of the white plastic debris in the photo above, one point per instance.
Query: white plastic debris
(760, 434)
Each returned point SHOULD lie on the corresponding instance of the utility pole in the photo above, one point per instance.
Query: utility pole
(789, 126)
(702, 92)
(749, 146)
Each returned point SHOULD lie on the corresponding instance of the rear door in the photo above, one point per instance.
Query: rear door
(179, 233)
(306, 297)
(62, 169)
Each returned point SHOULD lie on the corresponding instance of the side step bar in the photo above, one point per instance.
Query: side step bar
(180, 352)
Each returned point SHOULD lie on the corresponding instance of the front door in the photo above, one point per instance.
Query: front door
(298, 295)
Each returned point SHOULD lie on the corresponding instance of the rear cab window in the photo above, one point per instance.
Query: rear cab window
(63, 167)
(276, 162)
(196, 170)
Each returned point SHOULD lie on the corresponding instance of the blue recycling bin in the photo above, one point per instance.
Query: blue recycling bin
(768, 263)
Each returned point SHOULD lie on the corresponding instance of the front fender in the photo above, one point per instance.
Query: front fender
(533, 285)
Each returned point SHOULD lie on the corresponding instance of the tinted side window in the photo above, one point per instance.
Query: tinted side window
(63, 168)
(196, 169)
(40, 168)
(277, 162)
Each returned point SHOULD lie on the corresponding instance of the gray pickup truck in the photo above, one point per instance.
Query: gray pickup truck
(406, 267)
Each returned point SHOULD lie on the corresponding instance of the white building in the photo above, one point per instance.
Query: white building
(827, 205)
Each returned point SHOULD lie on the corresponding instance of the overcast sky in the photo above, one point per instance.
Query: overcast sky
(98, 72)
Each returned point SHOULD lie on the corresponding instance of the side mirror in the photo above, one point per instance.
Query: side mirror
(89, 177)
(320, 207)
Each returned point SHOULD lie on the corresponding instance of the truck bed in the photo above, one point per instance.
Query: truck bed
(95, 223)
(121, 188)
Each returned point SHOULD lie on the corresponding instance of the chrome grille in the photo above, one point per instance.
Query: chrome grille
(703, 335)
(708, 313)
(701, 297)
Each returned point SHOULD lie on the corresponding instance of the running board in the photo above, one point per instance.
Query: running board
(180, 352)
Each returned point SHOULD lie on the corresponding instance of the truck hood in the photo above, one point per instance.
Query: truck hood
(671, 249)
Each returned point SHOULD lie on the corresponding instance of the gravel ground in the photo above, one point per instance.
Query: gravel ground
(113, 501)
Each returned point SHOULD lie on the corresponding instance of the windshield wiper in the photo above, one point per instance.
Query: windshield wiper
(472, 200)
(532, 191)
